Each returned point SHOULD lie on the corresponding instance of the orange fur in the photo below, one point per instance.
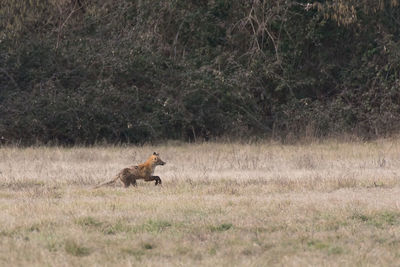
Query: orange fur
(143, 171)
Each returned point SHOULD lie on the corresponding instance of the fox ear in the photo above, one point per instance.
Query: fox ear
(154, 153)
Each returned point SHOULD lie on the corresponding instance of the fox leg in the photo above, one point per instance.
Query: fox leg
(113, 181)
(133, 182)
(127, 183)
(128, 180)
(158, 180)
(154, 178)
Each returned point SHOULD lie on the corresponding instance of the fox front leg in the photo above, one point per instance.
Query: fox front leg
(157, 179)
(154, 178)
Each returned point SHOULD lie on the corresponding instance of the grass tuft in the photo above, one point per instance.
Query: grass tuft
(88, 222)
(137, 253)
(148, 246)
(73, 248)
(221, 228)
(155, 226)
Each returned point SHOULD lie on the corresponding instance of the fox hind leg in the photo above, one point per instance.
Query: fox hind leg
(129, 180)
(132, 180)
(127, 183)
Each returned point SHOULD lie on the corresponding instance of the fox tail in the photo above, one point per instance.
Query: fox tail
(113, 181)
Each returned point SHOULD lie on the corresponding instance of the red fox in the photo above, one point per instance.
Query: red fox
(142, 171)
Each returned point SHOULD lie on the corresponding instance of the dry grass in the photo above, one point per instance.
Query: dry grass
(331, 204)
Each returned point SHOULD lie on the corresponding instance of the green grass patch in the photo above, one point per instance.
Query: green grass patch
(390, 218)
(52, 245)
(221, 228)
(118, 227)
(155, 226)
(212, 251)
(88, 222)
(73, 248)
(361, 217)
(8, 233)
(150, 226)
(317, 244)
(328, 248)
(380, 219)
(335, 250)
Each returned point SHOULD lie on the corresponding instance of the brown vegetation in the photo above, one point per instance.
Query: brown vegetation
(139, 71)
(330, 203)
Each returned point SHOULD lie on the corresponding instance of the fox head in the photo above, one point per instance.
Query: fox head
(156, 160)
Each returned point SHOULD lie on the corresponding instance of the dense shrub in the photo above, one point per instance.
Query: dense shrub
(136, 71)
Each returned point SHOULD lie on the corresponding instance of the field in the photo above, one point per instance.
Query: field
(329, 203)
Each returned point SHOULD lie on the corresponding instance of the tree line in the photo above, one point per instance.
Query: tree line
(89, 71)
